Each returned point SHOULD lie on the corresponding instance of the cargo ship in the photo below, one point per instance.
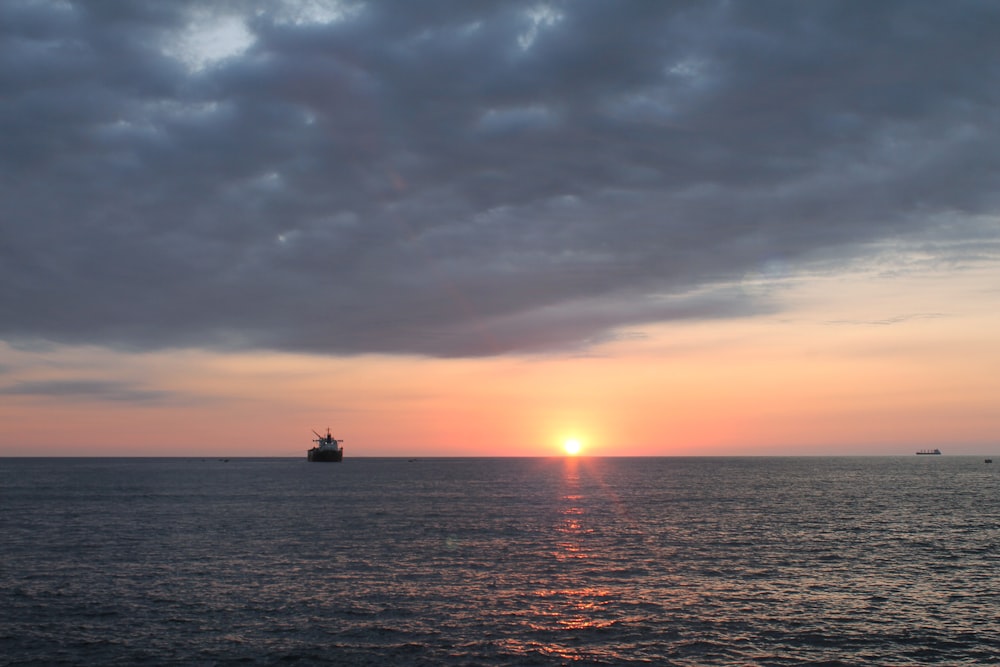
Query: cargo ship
(929, 452)
(327, 449)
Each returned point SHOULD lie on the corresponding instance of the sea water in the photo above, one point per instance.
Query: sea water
(588, 561)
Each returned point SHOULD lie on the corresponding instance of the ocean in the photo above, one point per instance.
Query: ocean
(547, 561)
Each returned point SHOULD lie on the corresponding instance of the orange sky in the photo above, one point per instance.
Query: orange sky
(857, 363)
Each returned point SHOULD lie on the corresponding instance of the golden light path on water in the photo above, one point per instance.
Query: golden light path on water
(576, 600)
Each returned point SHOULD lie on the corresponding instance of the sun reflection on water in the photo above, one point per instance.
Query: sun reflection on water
(572, 516)
(586, 593)
(567, 606)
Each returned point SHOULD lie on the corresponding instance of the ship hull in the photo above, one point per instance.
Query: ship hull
(317, 455)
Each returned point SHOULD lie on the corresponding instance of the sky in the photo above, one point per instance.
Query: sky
(454, 228)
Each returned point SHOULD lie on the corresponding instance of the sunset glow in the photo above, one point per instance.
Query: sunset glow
(572, 447)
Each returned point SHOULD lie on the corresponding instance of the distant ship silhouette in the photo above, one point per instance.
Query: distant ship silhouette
(327, 449)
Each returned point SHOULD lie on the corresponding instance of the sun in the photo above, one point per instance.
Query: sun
(572, 446)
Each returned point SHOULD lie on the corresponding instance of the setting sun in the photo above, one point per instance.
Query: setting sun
(572, 446)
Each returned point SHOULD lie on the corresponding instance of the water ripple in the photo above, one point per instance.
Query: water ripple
(500, 562)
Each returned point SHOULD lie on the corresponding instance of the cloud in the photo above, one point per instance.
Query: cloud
(88, 390)
(459, 179)
(888, 321)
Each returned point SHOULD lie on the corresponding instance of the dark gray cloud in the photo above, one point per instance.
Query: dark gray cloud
(466, 178)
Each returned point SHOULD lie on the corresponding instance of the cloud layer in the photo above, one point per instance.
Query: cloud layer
(464, 178)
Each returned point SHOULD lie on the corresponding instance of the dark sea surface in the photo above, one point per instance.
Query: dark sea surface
(590, 561)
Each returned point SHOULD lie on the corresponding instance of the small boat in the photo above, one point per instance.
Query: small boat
(327, 449)
(988, 461)
(929, 452)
